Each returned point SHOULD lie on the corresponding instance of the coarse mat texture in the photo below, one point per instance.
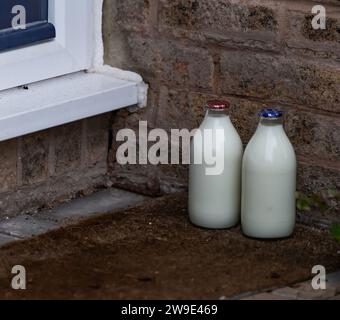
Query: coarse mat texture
(152, 251)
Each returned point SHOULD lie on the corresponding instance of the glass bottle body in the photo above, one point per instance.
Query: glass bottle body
(269, 183)
(214, 197)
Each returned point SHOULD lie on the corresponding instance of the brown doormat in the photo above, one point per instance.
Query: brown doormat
(152, 251)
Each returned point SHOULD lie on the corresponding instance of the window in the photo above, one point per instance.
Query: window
(24, 22)
(60, 58)
(69, 25)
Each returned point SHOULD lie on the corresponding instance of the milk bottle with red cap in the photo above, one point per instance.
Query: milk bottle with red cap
(269, 180)
(215, 170)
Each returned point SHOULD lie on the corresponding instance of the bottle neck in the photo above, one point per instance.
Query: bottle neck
(216, 113)
(271, 123)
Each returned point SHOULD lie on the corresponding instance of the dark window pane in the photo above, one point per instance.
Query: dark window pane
(36, 11)
(37, 26)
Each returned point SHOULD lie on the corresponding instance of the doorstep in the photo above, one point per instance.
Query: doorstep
(102, 202)
(4, 239)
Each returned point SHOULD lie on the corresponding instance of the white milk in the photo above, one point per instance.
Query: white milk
(214, 200)
(269, 181)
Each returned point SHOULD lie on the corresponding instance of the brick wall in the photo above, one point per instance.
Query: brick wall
(42, 169)
(254, 53)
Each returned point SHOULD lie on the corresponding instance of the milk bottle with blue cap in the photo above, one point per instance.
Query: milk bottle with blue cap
(269, 180)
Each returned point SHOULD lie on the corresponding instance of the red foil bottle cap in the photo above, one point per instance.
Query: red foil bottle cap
(218, 104)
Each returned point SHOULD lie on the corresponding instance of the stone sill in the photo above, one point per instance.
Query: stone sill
(61, 100)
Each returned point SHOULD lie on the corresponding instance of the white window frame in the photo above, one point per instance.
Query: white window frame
(72, 50)
(66, 77)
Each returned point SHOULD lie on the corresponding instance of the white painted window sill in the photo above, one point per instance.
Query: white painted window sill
(64, 99)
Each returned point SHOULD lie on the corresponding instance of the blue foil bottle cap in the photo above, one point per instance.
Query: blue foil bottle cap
(271, 114)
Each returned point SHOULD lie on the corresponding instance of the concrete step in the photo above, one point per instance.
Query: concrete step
(105, 201)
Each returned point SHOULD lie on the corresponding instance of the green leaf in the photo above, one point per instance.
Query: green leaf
(335, 232)
(303, 204)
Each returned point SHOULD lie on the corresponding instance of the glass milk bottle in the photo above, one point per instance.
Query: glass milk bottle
(269, 180)
(215, 179)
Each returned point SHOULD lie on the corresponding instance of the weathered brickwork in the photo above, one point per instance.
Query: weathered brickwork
(254, 53)
(301, 38)
(48, 167)
(34, 157)
(280, 79)
(217, 16)
(8, 168)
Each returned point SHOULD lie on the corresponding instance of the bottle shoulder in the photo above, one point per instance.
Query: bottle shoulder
(222, 137)
(218, 123)
(273, 149)
(225, 134)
